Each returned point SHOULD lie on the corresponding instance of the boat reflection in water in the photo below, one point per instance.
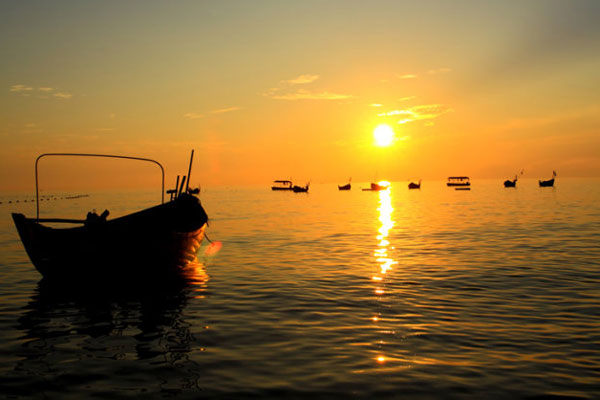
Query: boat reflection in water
(383, 257)
(68, 329)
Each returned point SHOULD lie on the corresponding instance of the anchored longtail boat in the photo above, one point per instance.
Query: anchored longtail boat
(508, 183)
(376, 187)
(152, 241)
(300, 189)
(549, 182)
(413, 185)
(347, 186)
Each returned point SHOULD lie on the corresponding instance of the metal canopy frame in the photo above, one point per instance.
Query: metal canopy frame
(37, 199)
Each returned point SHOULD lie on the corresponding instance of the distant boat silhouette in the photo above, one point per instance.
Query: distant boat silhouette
(413, 185)
(508, 183)
(347, 186)
(282, 185)
(375, 187)
(549, 182)
(300, 189)
(458, 181)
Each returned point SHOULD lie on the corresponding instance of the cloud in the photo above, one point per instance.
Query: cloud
(302, 79)
(63, 95)
(225, 110)
(192, 115)
(43, 91)
(406, 98)
(375, 105)
(417, 113)
(20, 88)
(407, 76)
(308, 95)
(286, 90)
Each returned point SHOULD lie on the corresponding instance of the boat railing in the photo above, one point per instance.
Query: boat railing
(37, 200)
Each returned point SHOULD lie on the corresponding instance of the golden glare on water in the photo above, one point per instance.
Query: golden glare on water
(384, 135)
(381, 252)
(385, 218)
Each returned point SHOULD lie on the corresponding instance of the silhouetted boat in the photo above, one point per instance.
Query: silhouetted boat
(458, 181)
(282, 185)
(377, 187)
(156, 240)
(413, 185)
(549, 182)
(347, 186)
(300, 189)
(509, 183)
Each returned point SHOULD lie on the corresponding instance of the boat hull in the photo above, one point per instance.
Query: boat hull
(548, 183)
(508, 184)
(157, 240)
(300, 189)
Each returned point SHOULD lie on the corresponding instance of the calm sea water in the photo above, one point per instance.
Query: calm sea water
(431, 293)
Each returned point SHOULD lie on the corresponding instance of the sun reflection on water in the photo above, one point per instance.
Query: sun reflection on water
(195, 274)
(382, 254)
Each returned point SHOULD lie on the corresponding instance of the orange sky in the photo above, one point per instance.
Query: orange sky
(269, 89)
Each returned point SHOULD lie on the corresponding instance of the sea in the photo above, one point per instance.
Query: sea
(492, 293)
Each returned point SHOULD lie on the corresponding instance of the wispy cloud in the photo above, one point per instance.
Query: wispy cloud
(63, 95)
(287, 90)
(224, 110)
(407, 98)
(308, 95)
(375, 105)
(20, 88)
(43, 92)
(193, 115)
(302, 79)
(417, 113)
(434, 71)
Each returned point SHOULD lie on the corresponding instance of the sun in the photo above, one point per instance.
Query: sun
(384, 135)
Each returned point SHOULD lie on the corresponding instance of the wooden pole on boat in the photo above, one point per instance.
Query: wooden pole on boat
(181, 187)
(176, 188)
(189, 172)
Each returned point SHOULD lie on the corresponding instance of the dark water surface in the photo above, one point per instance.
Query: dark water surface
(433, 293)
